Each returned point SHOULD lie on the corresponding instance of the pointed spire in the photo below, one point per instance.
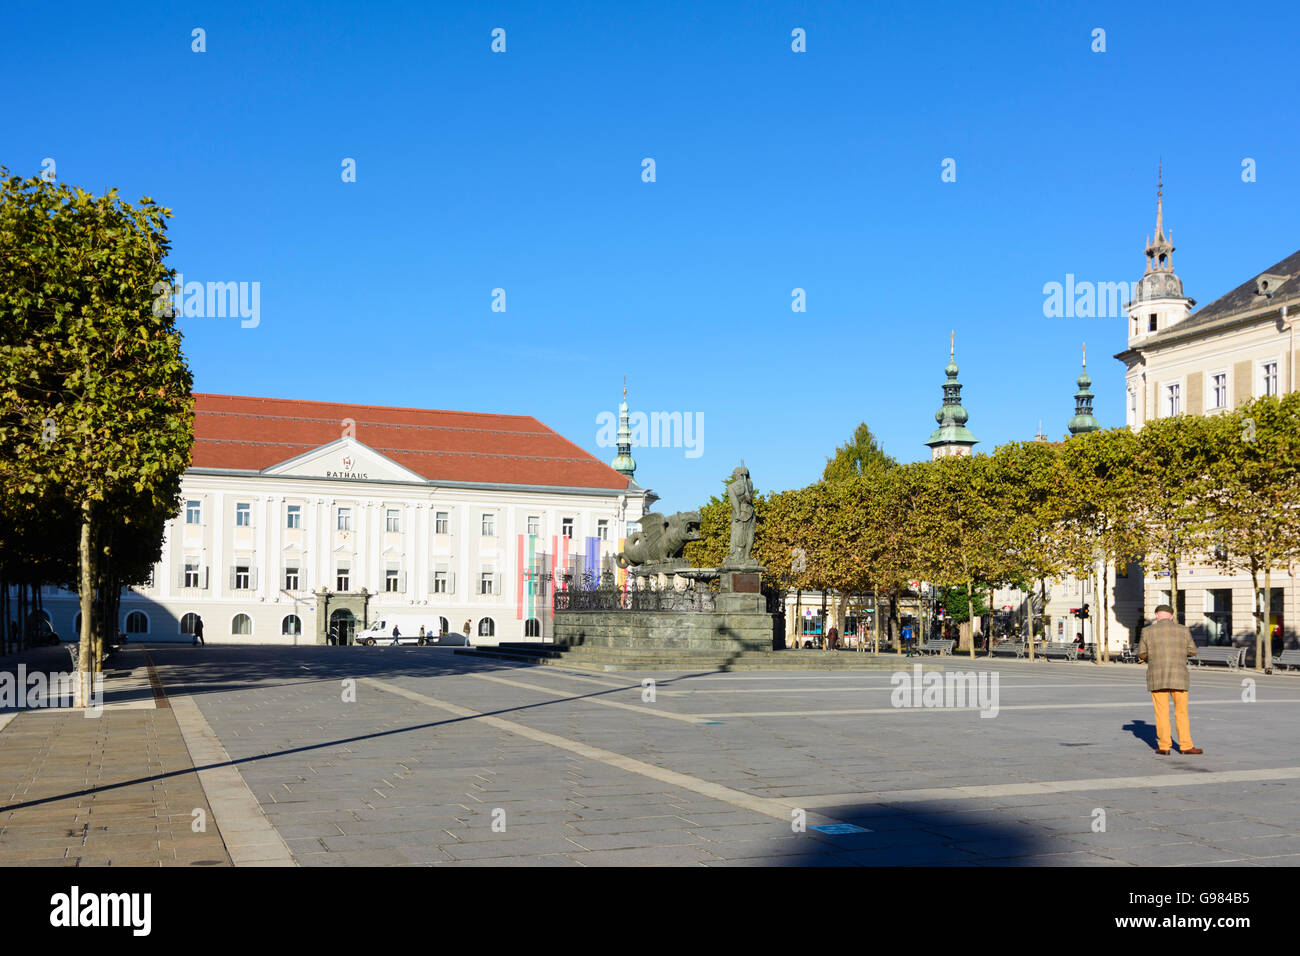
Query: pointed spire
(951, 437)
(624, 463)
(1083, 420)
(1159, 281)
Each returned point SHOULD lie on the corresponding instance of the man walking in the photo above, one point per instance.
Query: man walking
(1165, 647)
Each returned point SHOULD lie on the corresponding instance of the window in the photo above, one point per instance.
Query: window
(136, 623)
(485, 583)
(532, 627)
(294, 517)
(441, 523)
(489, 526)
(1218, 615)
(440, 582)
(341, 579)
(193, 513)
(1152, 323)
(192, 574)
(291, 626)
(242, 580)
(241, 624)
(392, 520)
(602, 529)
(345, 519)
(392, 580)
(487, 627)
(243, 515)
(1173, 399)
(1269, 376)
(534, 525)
(445, 627)
(566, 528)
(632, 528)
(291, 579)
(188, 623)
(1219, 389)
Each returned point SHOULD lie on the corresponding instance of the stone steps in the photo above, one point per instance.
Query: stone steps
(659, 659)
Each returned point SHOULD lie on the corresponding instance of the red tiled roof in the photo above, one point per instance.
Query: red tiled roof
(246, 433)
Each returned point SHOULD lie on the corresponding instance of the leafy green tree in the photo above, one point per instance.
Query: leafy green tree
(1028, 496)
(1100, 510)
(95, 395)
(1253, 501)
(860, 456)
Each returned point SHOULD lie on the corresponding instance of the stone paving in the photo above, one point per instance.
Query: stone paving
(418, 756)
(112, 790)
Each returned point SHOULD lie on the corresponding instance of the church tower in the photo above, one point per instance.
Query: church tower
(1084, 421)
(1158, 303)
(624, 463)
(951, 437)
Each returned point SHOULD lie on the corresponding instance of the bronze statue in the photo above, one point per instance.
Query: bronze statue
(740, 490)
(660, 538)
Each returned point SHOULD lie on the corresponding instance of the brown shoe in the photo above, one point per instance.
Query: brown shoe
(1194, 750)
(1163, 753)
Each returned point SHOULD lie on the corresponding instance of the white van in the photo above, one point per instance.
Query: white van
(380, 632)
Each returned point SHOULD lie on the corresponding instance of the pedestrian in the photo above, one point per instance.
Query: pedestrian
(833, 639)
(466, 628)
(198, 632)
(396, 635)
(1165, 647)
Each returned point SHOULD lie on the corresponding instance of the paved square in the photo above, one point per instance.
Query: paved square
(413, 756)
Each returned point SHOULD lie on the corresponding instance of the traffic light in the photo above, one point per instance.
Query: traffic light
(1083, 613)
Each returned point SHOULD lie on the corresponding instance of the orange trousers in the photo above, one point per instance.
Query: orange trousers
(1161, 700)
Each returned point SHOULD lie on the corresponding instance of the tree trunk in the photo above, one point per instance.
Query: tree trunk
(1259, 640)
(86, 556)
(1267, 602)
(1173, 587)
(970, 613)
(1029, 621)
(798, 618)
(1105, 608)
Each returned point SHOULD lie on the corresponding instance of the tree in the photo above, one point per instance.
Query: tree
(1099, 510)
(1253, 507)
(95, 392)
(958, 516)
(1172, 467)
(1029, 500)
(860, 456)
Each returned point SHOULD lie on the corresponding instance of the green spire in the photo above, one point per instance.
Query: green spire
(952, 437)
(624, 463)
(1083, 420)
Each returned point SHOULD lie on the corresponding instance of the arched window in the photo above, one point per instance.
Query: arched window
(137, 623)
(445, 628)
(291, 625)
(487, 627)
(76, 627)
(241, 624)
(532, 627)
(188, 623)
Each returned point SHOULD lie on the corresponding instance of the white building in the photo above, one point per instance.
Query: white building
(299, 518)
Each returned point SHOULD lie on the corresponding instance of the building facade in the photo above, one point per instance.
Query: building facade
(304, 522)
(1205, 362)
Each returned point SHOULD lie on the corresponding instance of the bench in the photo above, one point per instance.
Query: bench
(936, 647)
(1287, 659)
(1068, 650)
(1232, 656)
(74, 651)
(1018, 648)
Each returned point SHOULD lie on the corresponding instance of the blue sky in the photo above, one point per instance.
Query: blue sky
(775, 170)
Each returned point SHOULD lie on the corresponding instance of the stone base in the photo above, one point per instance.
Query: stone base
(724, 630)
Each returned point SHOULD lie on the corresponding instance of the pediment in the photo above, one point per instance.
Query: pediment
(344, 459)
